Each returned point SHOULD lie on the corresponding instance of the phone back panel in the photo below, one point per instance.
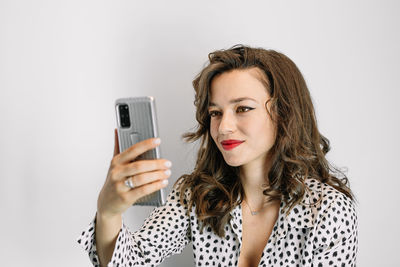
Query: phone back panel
(143, 125)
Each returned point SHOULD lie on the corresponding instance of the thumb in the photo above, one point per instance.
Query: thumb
(116, 145)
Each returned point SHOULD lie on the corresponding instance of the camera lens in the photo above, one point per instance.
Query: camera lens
(124, 116)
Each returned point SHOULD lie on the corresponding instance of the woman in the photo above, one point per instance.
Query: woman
(261, 193)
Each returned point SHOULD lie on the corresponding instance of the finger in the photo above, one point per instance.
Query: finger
(147, 178)
(121, 172)
(144, 190)
(137, 149)
(143, 166)
(116, 144)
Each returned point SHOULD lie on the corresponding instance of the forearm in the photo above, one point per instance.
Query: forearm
(107, 230)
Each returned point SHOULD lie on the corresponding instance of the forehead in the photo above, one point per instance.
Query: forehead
(247, 83)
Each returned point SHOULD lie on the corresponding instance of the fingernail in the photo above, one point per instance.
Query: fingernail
(157, 141)
(168, 172)
(168, 164)
(165, 182)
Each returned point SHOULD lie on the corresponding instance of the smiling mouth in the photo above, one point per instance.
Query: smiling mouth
(230, 144)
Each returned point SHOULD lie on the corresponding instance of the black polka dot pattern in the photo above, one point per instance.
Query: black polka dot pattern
(320, 231)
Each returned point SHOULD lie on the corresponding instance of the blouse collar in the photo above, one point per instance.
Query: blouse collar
(303, 215)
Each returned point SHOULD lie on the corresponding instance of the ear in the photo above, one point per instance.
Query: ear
(269, 106)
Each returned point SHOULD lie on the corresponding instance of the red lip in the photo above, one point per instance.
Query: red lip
(230, 144)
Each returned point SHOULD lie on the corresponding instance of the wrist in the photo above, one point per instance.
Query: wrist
(106, 217)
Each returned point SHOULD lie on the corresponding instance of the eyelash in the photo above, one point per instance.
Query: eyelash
(215, 113)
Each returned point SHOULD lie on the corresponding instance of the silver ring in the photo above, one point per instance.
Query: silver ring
(129, 183)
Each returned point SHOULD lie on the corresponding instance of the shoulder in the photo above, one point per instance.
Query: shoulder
(322, 203)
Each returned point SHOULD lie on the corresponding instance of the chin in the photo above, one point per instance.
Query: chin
(233, 162)
(234, 165)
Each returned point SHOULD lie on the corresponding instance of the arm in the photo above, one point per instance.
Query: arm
(165, 232)
(335, 237)
(147, 176)
(88, 241)
(107, 230)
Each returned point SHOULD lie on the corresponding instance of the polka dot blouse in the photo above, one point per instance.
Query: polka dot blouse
(320, 231)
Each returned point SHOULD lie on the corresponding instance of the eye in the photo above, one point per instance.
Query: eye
(243, 109)
(214, 113)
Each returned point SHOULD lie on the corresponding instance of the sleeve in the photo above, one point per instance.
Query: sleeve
(335, 237)
(164, 233)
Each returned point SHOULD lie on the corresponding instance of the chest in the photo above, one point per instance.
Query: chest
(249, 243)
(256, 232)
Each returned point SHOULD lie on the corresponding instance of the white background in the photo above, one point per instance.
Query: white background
(63, 64)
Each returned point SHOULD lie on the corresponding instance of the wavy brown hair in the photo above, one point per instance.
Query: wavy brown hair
(298, 152)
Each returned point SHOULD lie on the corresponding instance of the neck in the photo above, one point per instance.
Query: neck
(254, 180)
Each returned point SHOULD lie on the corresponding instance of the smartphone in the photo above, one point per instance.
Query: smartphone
(137, 121)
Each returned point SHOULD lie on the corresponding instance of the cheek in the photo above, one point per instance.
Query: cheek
(261, 129)
(252, 126)
(214, 130)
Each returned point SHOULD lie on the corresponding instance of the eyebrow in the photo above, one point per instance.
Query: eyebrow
(234, 101)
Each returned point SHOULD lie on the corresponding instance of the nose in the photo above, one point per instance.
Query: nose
(227, 123)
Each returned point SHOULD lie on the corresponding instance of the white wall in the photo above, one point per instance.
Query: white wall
(63, 63)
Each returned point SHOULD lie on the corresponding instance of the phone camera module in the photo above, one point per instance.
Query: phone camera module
(124, 116)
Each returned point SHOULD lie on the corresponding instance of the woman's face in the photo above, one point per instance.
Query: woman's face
(240, 125)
